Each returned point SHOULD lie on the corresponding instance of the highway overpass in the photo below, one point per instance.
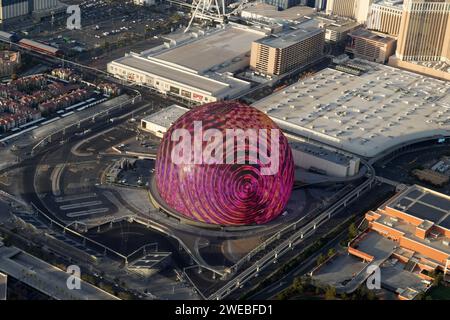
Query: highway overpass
(44, 277)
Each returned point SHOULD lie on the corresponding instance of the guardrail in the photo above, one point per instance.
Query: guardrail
(66, 229)
(100, 114)
(14, 198)
(262, 246)
(289, 243)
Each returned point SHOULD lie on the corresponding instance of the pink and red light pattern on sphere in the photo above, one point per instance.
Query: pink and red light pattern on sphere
(225, 194)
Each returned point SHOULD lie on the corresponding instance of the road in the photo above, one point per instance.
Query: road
(286, 281)
(294, 239)
(45, 277)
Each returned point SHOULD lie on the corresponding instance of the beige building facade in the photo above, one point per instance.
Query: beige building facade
(278, 55)
(371, 46)
(385, 18)
(355, 9)
(425, 31)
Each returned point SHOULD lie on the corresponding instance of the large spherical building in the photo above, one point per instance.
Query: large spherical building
(224, 192)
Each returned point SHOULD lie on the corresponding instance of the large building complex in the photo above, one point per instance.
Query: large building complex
(281, 53)
(424, 38)
(336, 28)
(422, 28)
(371, 46)
(198, 66)
(417, 222)
(363, 114)
(425, 31)
(11, 9)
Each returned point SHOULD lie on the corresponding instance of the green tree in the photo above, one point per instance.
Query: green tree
(297, 282)
(282, 296)
(320, 259)
(330, 293)
(352, 231)
(106, 45)
(298, 286)
(371, 295)
(331, 252)
(125, 296)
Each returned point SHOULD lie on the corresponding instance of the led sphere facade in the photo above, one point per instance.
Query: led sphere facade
(225, 193)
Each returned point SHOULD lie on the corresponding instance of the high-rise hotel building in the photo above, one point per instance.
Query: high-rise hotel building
(355, 9)
(281, 53)
(16, 9)
(386, 17)
(422, 27)
(424, 31)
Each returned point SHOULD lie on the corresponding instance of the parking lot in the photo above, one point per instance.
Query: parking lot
(400, 169)
(106, 27)
(138, 175)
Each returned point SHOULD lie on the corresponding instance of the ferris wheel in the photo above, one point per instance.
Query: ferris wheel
(213, 10)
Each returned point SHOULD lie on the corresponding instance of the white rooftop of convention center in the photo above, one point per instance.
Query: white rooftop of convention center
(206, 49)
(204, 59)
(166, 116)
(365, 114)
(212, 83)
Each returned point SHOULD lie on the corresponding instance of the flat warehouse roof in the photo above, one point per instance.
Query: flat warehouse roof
(211, 50)
(366, 34)
(167, 116)
(376, 245)
(188, 79)
(424, 204)
(365, 114)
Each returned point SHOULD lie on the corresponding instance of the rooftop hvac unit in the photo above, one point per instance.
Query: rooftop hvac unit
(445, 243)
